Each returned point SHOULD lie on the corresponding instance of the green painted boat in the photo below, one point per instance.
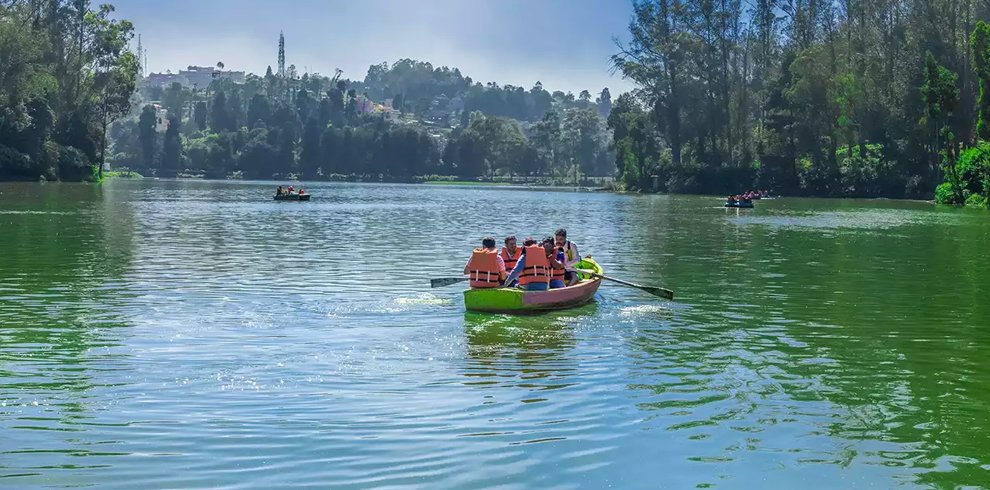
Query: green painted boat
(514, 300)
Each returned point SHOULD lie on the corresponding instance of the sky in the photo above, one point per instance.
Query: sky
(565, 44)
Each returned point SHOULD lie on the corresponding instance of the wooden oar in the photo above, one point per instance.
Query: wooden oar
(442, 282)
(654, 290)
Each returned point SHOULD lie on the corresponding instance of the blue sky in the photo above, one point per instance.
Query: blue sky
(563, 43)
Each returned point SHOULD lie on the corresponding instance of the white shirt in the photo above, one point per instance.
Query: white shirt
(571, 256)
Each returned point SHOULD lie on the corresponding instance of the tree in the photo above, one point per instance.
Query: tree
(220, 118)
(311, 152)
(653, 58)
(941, 96)
(200, 115)
(604, 103)
(259, 111)
(171, 160)
(115, 87)
(147, 135)
(980, 42)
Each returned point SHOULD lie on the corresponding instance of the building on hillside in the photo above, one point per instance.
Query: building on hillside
(202, 76)
(161, 118)
(444, 111)
(363, 105)
(162, 79)
(194, 76)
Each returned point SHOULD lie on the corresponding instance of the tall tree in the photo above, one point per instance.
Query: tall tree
(148, 136)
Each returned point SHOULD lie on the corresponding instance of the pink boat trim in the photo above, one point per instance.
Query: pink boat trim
(572, 295)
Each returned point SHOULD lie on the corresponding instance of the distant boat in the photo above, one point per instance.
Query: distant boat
(742, 204)
(293, 197)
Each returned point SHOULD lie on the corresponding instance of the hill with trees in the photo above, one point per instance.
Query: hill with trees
(404, 120)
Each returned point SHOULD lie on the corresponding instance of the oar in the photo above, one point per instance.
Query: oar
(656, 291)
(442, 282)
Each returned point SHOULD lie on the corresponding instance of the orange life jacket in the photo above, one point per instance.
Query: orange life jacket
(510, 260)
(484, 269)
(537, 266)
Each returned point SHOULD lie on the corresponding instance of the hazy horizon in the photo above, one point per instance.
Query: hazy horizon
(563, 44)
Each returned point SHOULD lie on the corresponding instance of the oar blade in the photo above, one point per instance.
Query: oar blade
(657, 291)
(443, 282)
(654, 290)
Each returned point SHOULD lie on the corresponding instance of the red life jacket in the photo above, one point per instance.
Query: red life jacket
(510, 261)
(537, 266)
(484, 269)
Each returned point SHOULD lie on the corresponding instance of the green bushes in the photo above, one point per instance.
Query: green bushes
(967, 181)
(945, 194)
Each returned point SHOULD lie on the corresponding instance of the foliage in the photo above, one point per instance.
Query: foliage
(315, 127)
(809, 97)
(946, 194)
(65, 75)
(968, 178)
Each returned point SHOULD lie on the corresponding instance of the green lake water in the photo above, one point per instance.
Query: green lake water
(177, 334)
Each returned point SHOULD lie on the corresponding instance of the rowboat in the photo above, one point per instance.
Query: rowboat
(738, 204)
(513, 300)
(293, 197)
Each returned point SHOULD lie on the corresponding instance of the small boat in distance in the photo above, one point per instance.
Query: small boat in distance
(739, 204)
(516, 301)
(293, 197)
(290, 194)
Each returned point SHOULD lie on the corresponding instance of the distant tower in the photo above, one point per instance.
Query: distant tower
(140, 57)
(281, 54)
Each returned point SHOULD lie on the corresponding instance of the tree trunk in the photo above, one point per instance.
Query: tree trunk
(103, 149)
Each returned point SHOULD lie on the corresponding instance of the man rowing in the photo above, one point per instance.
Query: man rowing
(571, 257)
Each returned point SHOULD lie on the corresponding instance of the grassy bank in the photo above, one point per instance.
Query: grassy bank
(121, 174)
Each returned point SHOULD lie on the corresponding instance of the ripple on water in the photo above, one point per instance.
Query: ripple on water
(192, 334)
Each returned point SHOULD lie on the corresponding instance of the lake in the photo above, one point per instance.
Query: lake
(197, 334)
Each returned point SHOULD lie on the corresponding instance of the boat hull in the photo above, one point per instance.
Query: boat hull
(517, 301)
(294, 197)
(744, 206)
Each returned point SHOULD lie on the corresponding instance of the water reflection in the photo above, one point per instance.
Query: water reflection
(529, 352)
(227, 339)
(61, 276)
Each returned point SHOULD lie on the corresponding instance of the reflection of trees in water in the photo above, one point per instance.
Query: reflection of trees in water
(65, 251)
(524, 351)
(873, 336)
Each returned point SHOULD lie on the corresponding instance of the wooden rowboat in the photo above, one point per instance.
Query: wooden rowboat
(513, 300)
(293, 197)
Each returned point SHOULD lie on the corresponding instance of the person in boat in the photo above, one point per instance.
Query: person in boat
(556, 256)
(486, 268)
(280, 191)
(731, 200)
(510, 254)
(533, 267)
(571, 256)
